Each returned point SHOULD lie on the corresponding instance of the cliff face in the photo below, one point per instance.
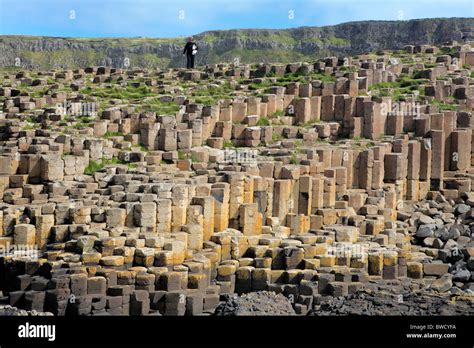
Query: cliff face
(244, 45)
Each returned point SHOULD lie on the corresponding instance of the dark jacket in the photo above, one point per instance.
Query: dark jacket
(188, 49)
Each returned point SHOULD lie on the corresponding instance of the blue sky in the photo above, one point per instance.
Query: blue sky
(171, 18)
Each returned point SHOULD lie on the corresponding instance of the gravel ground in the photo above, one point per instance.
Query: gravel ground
(255, 303)
(9, 311)
(370, 303)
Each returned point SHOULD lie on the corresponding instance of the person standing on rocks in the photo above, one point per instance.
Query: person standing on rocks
(190, 49)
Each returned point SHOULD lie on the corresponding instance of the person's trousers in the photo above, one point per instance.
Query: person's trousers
(189, 61)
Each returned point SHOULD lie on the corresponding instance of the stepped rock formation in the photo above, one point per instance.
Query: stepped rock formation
(168, 191)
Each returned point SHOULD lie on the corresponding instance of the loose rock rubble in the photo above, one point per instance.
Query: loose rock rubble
(255, 303)
(12, 311)
(413, 304)
(162, 191)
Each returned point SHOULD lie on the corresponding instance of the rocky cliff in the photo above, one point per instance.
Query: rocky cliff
(243, 45)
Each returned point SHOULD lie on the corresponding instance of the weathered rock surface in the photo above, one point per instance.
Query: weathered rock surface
(413, 304)
(13, 311)
(343, 39)
(255, 303)
(172, 189)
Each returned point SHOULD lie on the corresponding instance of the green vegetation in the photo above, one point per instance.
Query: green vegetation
(37, 92)
(294, 159)
(142, 148)
(276, 137)
(130, 41)
(108, 135)
(194, 158)
(348, 68)
(276, 114)
(256, 86)
(165, 52)
(363, 142)
(248, 56)
(148, 60)
(212, 94)
(158, 106)
(448, 50)
(31, 126)
(228, 144)
(311, 123)
(12, 69)
(30, 120)
(291, 77)
(443, 106)
(358, 138)
(117, 92)
(62, 57)
(407, 60)
(66, 154)
(181, 154)
(208, 38)
(397, 89)
(208, 100)
(79, 123)
(282, 38)
(263, 121)
(331, 40)
(98, 55)
(95, 166)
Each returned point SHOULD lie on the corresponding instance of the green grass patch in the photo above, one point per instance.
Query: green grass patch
(142, 148)
(326, 41)
(276, 137)
(31, 126)
(294, 159)
(118, 92)
(228, 144)
(181, 154)
(95, 166)
(212, 94)
(348, 68)
(158, 106)
(447, 50)
(108, 135)
(276, 114)
(397, 89)
(249, 56)
(443, 106)
(208, 100)
(263, 121)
